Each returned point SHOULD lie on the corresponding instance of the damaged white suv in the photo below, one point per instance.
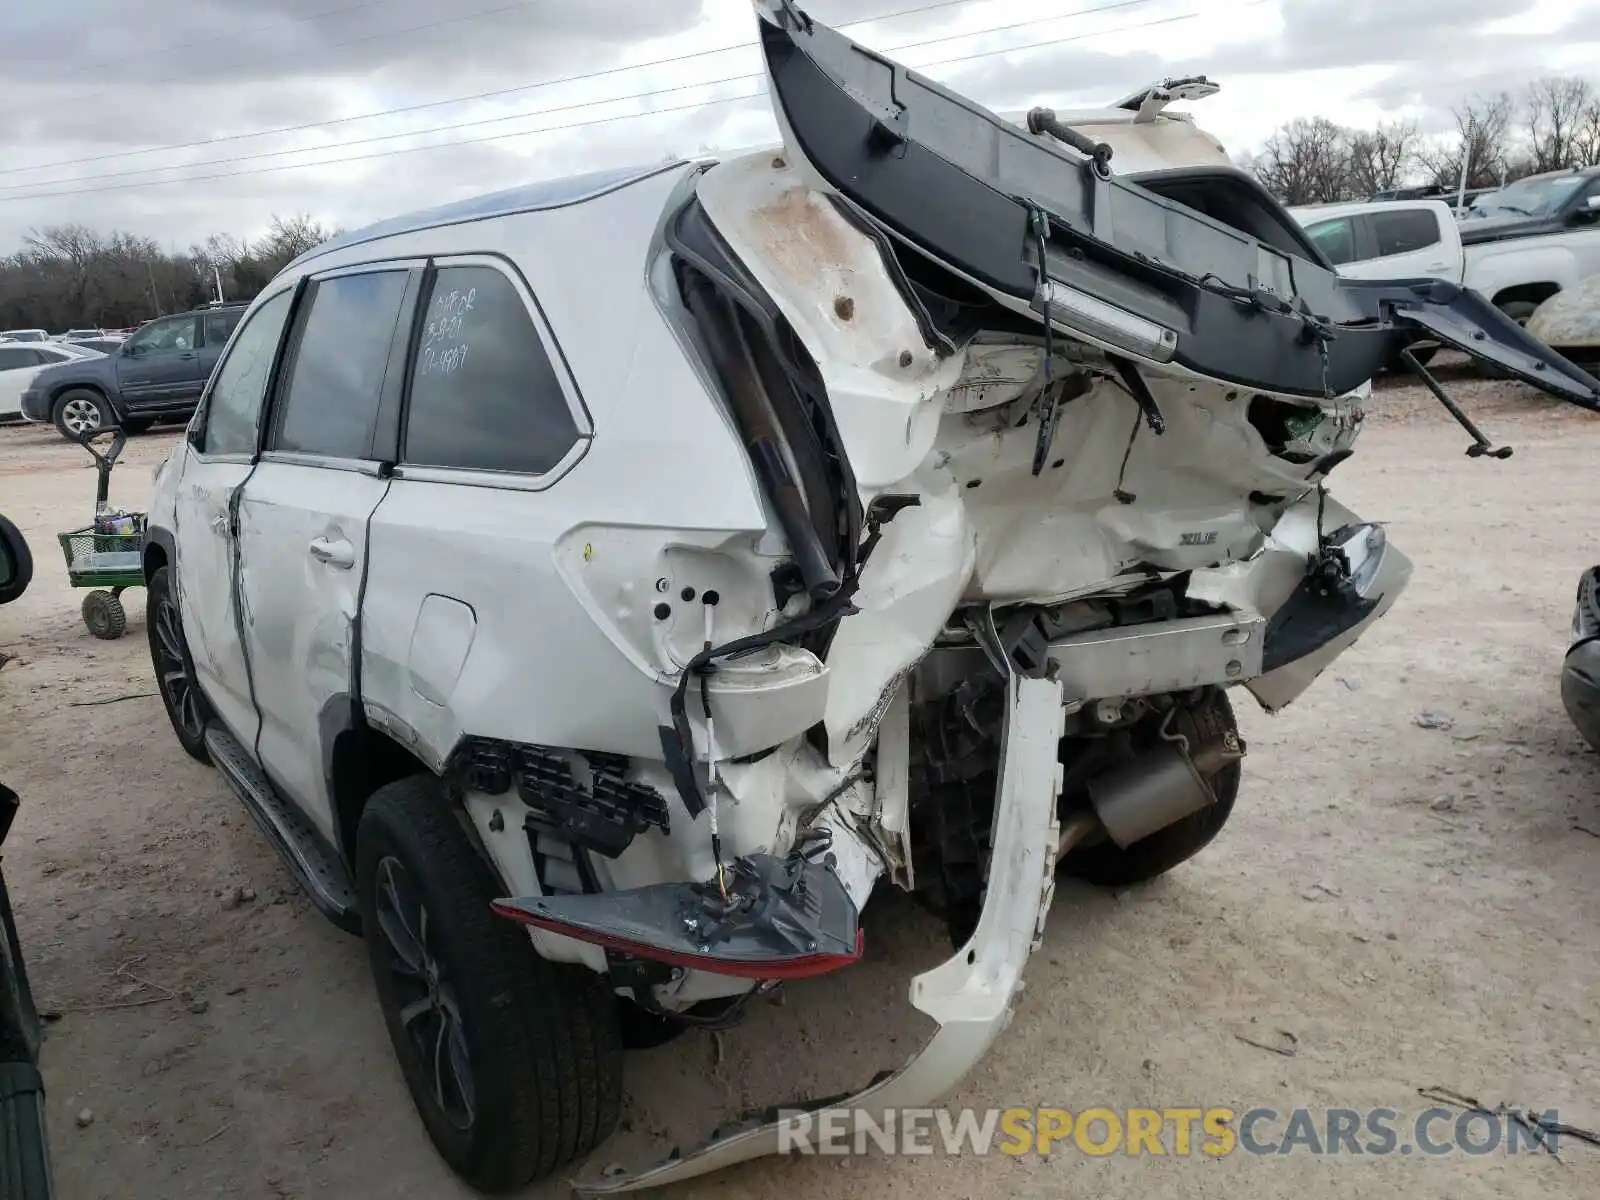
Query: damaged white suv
(598, 589)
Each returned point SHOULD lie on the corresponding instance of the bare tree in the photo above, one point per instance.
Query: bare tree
(1484, 138)
(1554, 110)
(71, 275)
(1586, 141)
(1306, 161)
(1382, 158)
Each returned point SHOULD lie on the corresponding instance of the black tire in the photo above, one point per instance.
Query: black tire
(104, 615)
(185, 703)
(1519, 310)
(540, 1041)
(81, 411)
(1105, 864)
(22, 562)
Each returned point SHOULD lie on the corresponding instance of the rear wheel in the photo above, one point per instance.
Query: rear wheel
(186, 705)
(1107, 864)
(1519, 310)
(514, 1063)
(81, 411)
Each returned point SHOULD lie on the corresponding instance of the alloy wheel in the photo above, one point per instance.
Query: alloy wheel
(80, 416)
(173, 672)
(425, 995)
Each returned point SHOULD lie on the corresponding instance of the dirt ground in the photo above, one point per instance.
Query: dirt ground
(1416, 905)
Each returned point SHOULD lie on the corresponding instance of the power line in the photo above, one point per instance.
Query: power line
(589, 123)
(490, 95)
(500, 120)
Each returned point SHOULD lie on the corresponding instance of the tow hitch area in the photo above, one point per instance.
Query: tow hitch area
(767, 918)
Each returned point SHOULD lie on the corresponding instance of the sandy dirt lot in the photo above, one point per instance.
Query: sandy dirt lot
(1417, 906)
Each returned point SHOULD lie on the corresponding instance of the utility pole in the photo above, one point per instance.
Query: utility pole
(155, 296)
(216, 272)
(1466, 166)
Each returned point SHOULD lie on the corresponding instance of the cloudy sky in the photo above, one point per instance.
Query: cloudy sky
(351, 110)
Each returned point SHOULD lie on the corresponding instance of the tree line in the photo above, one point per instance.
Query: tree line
(75, 277)
(1553, 124)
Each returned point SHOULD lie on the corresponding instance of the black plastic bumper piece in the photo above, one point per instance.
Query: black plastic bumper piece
(1330, 600)
(24, 1148)
(780, 919)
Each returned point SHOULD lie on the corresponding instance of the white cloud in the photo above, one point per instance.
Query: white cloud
(76, 85)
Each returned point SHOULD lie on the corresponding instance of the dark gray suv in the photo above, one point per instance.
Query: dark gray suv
(157, 374)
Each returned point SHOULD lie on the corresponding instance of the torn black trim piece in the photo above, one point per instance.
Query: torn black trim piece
(1244, 311)
(602, 814)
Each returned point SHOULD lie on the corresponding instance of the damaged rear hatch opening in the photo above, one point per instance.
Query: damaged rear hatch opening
(1047, 445)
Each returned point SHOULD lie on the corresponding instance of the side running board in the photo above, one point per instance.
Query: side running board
(307, 855)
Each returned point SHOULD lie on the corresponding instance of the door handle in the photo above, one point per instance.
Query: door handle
(188, 354)
(337, 552)
(219, 524)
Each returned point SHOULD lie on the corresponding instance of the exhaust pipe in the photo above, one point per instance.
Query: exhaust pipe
(1159, 788)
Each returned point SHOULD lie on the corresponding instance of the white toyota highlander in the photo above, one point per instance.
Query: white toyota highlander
(596, 590)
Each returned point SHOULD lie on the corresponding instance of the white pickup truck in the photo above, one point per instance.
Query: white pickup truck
(1537, 237)
(1387, 239)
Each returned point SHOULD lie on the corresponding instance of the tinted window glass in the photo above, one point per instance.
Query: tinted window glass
(241, 384)
(1404, 231)
(483, 393)
(337, 374)
(219, 325)
(1336, 239)
(15, 357)
(173, 335)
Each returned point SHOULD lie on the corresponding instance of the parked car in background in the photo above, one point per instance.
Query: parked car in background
(1389, 239)
(23, 335)
(73, 335)
(156, 374)
(22, 362)
(100, 345)
(1534, 238)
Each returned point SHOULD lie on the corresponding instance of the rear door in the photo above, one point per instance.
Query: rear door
(222, 449)
(464, 587)
(18, 366)
(1407, 241)
(304, 515)
(158, 364)
(215, 330)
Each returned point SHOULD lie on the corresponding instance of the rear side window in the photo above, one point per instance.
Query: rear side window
(1335, 238)
(1403, 231)
(484, 395)
(336, 375)
(234, 406)
(15, 357)
(219, 326)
